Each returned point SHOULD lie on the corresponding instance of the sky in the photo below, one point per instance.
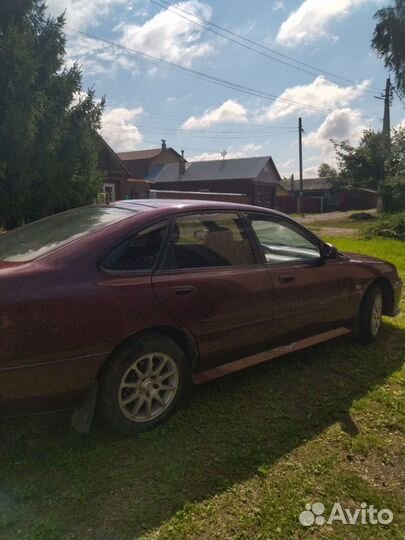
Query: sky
(310, 59)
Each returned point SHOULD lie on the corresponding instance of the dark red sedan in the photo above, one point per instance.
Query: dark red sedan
(119, 306)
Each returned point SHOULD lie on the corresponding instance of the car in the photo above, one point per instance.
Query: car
(118, 307)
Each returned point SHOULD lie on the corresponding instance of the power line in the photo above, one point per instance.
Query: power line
(165, 4)
(270, 130)
(175, 9)
(201, 75)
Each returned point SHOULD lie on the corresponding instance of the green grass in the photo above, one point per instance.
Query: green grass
(240, 459)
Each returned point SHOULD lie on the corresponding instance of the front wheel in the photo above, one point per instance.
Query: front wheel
(142, 384)
(370, 314)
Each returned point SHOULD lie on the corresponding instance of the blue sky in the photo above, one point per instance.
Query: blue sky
(148, 101)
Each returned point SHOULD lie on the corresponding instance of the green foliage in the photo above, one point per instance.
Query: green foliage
(397, 157)
(48, 137)
(393, 193)
(388, 226)
(389, 41)
(361, 166)
(326, 171)
(366, 166)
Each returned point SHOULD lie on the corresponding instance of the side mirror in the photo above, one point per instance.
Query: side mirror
(329, 251)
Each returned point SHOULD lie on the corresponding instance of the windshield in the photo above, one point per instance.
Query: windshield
(41, 237)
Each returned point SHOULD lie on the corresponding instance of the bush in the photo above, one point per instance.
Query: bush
(393, 193)
(388, 226)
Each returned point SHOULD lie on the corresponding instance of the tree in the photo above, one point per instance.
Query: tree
(48, 137)
(361, 166)
(389, 41)
(326, 171)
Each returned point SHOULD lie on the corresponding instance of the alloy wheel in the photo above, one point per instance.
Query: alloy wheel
(148, 387)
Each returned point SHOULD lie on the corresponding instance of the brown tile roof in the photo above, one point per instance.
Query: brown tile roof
(140, 154)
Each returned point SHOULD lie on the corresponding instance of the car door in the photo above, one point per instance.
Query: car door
(211, 282)
(311, 294)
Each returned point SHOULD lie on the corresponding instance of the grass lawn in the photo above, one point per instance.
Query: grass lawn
(240, 459)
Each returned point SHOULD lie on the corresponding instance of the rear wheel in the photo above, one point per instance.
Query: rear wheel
(142, 384)
(370, 314)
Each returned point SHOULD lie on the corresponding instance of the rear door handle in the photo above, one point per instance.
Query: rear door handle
(286, 278)
(183, 290)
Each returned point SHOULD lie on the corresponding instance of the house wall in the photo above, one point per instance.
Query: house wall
(168, 156)
(139, 168)
(260, 194)
(244, 186)
(357, 199)
(223, 197)
(289, 204)
(128, 189)
(268, 175)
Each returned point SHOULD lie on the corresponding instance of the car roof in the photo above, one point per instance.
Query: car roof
(173, 205)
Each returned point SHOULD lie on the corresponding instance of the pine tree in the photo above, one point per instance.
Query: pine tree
(48, 136)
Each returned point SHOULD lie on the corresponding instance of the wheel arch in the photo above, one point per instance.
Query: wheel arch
(388, 294)
(183, 338)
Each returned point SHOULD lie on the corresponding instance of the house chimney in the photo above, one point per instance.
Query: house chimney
(164, 147)
(182, 164)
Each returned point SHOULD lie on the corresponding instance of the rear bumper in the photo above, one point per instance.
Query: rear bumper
(30, 389)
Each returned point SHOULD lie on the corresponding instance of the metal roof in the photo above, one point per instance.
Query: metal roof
(221, 169)
(309, 184)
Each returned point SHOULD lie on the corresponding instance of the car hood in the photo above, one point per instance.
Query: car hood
(363, 258)
(379, 264)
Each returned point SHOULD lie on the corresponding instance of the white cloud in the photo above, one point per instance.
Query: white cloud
(119, 128)
(96, 57)
(286, 168)
(321, 93)
(170, 37)
(342, 124)
(247, 150)
(279, 5)
(311, 172)
(230, 112)
(311, 20)
(83, 13)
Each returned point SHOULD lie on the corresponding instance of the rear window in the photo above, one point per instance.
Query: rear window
(41, 237)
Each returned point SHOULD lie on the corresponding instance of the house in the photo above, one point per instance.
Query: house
(118, 182)
(139, 162)
(256, 178)
(320, 195)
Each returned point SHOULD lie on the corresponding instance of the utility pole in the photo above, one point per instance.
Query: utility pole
(387, 119)
(300, 197)
(386, 135)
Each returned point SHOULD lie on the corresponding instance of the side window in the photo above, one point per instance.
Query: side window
(281, 242)
(140, 251)
(206, 240)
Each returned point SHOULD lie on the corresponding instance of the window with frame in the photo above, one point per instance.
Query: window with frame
(140, 251)
(209, 240)
(281, 241)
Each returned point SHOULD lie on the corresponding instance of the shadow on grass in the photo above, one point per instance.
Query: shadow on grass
(103, 486)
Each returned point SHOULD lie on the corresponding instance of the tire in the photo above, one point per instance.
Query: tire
(370, 314)
(142, 384)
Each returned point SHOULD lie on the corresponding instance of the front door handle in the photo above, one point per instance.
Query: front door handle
(183, 290)
(286, 278)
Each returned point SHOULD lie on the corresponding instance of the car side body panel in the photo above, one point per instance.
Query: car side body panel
(61, 316)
